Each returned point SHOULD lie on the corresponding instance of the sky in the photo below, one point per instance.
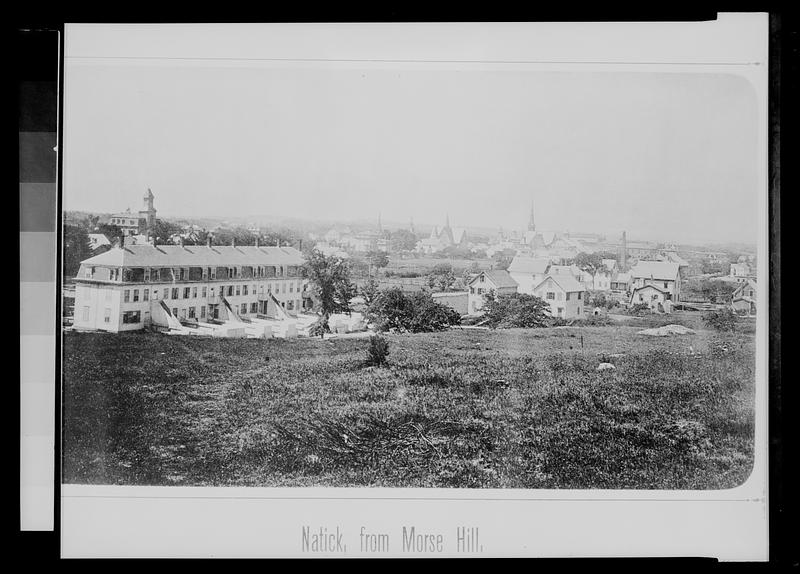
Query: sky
(664, 156)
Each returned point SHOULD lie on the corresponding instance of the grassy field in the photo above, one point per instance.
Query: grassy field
(423, 265)
(467, 408)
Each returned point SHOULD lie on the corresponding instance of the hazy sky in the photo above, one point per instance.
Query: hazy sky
(661, 155)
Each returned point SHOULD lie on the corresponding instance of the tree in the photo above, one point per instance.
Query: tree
(457, 252)
(403, 240)
(710, 290)
(722, 320)
(239, 235)
(515, 310)
(470, 272)
(202, 236)
(501, 261)
(282, 236)
(441, 276)
(369, 291)
(113, 232)
(377, 259)
(164, 230)
(606, 255)
(591, 263)
(332, 286)
(416, 313)
(377, 351)
(76, 248)
(712, 267)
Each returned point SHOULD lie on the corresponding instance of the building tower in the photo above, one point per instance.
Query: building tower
(531, 224)
(147, 216)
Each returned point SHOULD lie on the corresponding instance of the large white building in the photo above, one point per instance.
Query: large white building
(131, 223)
(135, 286)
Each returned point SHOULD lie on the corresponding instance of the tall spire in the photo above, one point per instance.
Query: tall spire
(531, 223)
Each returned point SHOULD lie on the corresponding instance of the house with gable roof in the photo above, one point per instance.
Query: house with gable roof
(656, 298)
(528, 272)
(497, 281)
(665, 275)
(565, 295)
(743, 300)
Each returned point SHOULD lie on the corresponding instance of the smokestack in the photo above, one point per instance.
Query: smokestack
(624, 252)
(122, 241)
(279, 242)
(301, 245)
(208, 241)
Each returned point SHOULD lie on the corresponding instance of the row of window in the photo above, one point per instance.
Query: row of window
(558, 296)
(195, 273)
(192, 292)
(243, 309)
(651, 282)
(130, 317)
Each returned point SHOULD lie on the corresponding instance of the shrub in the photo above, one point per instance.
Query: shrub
(415, 312)
(515, 310)
(722, 320)
(599, 299)
(319, 328)
(639, 308)
(377, 351)
(595, 321)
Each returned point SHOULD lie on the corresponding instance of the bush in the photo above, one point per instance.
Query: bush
(319, 328)
(515, 310)
(414, 312)
(377, 351)
(722, 320)
(639, 308)
(595, 321)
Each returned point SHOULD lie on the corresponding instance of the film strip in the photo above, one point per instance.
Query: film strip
(38, 250)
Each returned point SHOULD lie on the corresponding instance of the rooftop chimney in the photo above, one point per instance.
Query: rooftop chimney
(208, 241)
(256, 241)
(180, 240)
(233, 242)
(122, 241)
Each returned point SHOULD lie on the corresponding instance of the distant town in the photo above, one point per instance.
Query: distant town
(132, 270)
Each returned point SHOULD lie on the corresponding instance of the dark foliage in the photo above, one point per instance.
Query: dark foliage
(76, 249)
(515, 310)
(377, 351)
(722, 320)
(410, 312)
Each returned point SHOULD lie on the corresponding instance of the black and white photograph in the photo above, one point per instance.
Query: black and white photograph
(307, 270)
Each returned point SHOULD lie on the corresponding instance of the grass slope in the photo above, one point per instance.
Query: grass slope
(503, 409)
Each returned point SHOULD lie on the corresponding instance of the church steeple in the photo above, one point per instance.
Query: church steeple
(531, 223)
